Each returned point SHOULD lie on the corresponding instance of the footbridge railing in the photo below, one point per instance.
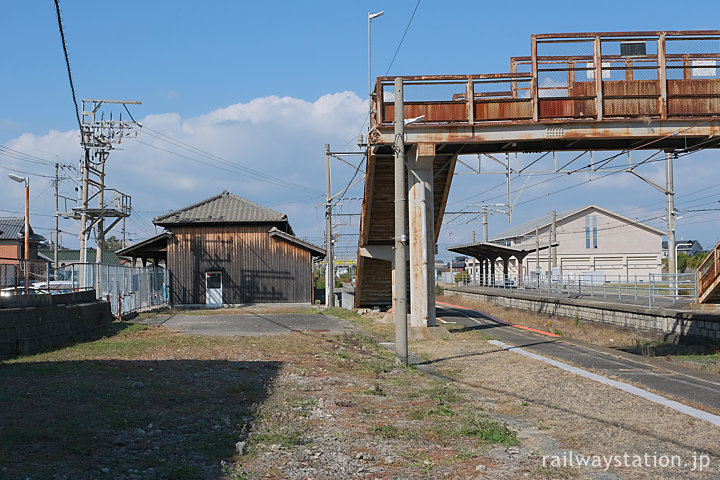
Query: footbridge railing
(578, 76)
(708, 278)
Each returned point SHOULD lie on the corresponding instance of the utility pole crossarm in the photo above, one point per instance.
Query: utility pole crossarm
(98, 138)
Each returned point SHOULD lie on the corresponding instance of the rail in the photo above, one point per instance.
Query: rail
(588, 76)
(708, 276)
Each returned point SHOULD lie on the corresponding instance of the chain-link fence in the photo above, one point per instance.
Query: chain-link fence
(13, 274)
(127, 288)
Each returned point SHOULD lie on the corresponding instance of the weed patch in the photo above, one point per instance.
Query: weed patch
(489, 431)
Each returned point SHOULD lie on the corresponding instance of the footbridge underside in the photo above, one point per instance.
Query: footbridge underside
(585, 91)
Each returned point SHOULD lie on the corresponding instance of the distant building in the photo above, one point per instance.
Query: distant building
(590, 239)
(12, 239)
(68, 256)
(688, 247)
(227, 250)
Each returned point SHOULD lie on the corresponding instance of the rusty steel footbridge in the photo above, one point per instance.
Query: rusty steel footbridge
(618, 91)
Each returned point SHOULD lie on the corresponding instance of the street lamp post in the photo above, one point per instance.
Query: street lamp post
(371, 16)
(26, 181)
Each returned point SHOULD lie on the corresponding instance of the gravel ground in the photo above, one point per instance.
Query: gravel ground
(583, 416)
(150, 403)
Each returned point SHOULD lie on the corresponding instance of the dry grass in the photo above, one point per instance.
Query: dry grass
(151, 398)
(575, 413)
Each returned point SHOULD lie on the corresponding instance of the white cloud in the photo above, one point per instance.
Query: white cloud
(282, 137)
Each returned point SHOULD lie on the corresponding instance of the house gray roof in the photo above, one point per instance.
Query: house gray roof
(544, 221)
(222, 208)
(313, 249)
(13, 228)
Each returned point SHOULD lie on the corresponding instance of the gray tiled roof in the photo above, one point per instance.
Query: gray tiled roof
(13, 228)
(222, 208)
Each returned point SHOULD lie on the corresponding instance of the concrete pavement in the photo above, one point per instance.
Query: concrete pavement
(235, 324)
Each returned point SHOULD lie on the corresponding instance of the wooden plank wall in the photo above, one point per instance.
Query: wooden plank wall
(256, 268)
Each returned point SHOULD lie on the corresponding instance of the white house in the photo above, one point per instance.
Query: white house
(588, 239)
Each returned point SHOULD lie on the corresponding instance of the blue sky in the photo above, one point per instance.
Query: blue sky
(266, 85)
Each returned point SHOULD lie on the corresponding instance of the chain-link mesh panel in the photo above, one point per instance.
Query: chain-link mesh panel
(438, 101)
(565, 76)
(693, 59)
(522, 66)
(692, 46)
(127, 288)
(38, 271)
(502, 99)
(565, 48)
(693, 73)
(434, 91)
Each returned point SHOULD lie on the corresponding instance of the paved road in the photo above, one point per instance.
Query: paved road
(219, 324)
(678, 382)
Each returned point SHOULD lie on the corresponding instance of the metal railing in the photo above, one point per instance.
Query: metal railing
(707, 276)
(579, 76)
(127, 288)
(650, 290)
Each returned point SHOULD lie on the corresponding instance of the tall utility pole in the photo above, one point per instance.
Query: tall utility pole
(473, 262)
(401, 339)
(550, 257)
(57, 219)
(553, 240)
(486, 263)
(98, 138)
(537, 251)
(670, 195)
(330, 270)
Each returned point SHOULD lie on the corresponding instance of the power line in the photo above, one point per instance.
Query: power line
(225, 164)
(67, 62)
(403, 38)
(26, 172)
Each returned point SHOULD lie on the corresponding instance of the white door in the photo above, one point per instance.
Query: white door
(213, 289)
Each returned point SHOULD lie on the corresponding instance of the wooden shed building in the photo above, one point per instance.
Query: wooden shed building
(227, 250)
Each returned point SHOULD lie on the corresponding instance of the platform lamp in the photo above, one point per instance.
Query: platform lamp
(371, 17)
(26, 181)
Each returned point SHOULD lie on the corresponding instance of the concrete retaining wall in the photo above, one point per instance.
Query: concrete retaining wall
(34, 323)
(673, 325)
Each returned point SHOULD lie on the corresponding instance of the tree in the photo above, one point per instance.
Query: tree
(113, 243)
(694, 262)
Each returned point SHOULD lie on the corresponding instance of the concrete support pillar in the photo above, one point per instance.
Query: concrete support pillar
(520, 272)
(492, 271)
(421, 235)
